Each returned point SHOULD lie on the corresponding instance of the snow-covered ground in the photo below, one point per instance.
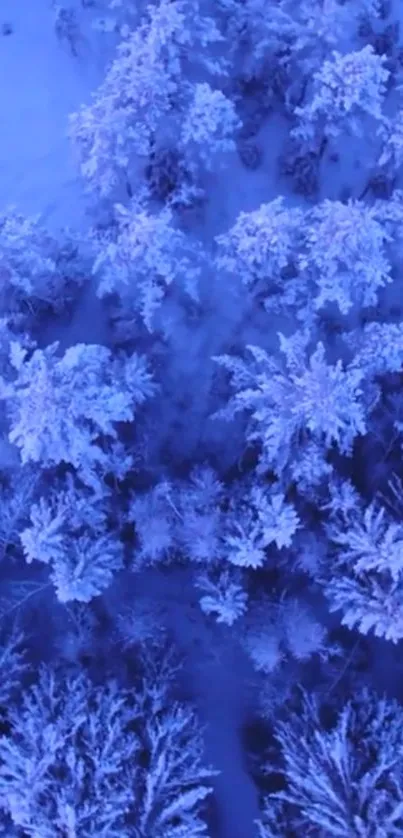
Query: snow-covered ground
(42, 82)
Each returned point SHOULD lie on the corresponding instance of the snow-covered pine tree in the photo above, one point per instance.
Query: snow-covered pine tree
(36, 268)
(261, 245)
(69, 531)
(366, 581)
(345, 254)
(391, 132)
(61, 408)
(208, 128)
(295, 400)
(183, 517)
(281, 35)
(80, 759)
(223, 595)
(144, 257)
(138, 103)
(345, 89)
(259, 519)
(343, 780)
